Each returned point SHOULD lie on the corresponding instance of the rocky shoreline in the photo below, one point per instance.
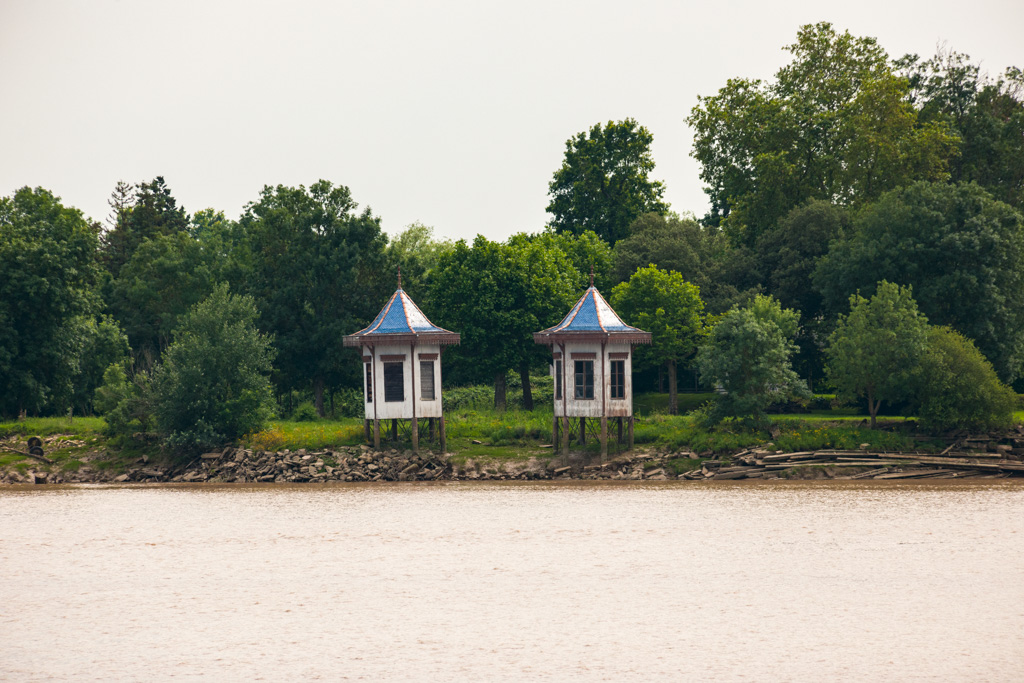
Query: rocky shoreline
(980, 457)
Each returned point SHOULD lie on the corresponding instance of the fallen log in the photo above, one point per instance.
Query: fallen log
(40, 458)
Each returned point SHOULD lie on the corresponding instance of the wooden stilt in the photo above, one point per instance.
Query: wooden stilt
(629, 437)
(565, 437)
(431, 428)
(604, 438)
(554, 432)
(444, 439)
(618, 439)
(415, 435)
(376, 435)
(583, 431)
(394, 429)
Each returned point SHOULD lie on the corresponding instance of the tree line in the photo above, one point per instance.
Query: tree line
(845, 175)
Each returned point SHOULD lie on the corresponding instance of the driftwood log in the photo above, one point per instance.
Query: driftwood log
(40, 458)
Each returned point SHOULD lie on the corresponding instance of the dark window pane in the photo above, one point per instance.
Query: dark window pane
(558, 380)
(618, 377)
(369, 382)
(427, 380)
(394, 382)
(584, 380)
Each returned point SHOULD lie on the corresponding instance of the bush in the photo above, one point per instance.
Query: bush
(305, 412)
(126, 403)
(959, 388)
(214, 383)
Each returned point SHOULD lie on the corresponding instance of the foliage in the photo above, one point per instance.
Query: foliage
(747, 358)
(603, 184)
(145, 211)
(104, 345)
(960, 250)
(47, 278)
(213, 384)
(584, 251)
(316, 271)
(125, 400)
(835, 124)
(416, 251)
(670, 308)
(958, 387)
(304, 412)
(876, 349)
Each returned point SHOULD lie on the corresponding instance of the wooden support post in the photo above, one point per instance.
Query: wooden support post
(629, 437)
(444, 439)
(366, 429)
(415, 435)
(618, 439)
(604, 438)
(565, 436)
(583, 431)
(554, 432)
(430, 428)
(376, 435)
(394, 429)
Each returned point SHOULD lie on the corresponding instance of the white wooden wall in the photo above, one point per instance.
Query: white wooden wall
(595, 407)
(386, 410)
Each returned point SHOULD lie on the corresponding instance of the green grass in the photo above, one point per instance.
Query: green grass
(653, 403)
(317, 435)
(80, 429)
(46, 426)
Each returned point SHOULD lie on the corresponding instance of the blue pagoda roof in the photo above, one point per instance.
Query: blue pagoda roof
(401, 320)
(592, 316)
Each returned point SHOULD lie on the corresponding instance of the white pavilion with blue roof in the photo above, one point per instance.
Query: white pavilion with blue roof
(592, 365)
(401, 352)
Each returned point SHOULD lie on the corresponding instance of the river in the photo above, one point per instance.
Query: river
(812, 581)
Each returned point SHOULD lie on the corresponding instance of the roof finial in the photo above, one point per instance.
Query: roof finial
(591, 274)
(399, 277)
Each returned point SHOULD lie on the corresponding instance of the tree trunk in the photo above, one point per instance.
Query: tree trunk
(673, 389)
(873, 408)
(524, 376)
(318, 392)
(499, 392)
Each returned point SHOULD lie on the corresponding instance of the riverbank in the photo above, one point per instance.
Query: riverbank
(981, 456)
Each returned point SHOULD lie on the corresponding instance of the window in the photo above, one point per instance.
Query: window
(584, 379)
(618, 379)
(394, 382)
(369, 382)
(558, 380)
(427, 380)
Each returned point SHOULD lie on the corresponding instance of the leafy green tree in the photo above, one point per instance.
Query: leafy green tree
(151, 212)
(670, 308)
(835, 124)
(316, 268)
(163, 279)
(417, 252)
(584, 251)
(497, 295)
(987, 114)
(958, 388)
(213, 384)
(747, 358)
(48, 275)
(604, 183)
(960, 250)
(125, 400)
(876, 349)
(105, 344)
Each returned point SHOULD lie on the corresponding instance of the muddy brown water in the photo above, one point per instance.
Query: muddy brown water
(806, 581)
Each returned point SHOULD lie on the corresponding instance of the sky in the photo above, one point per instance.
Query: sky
(454, 114)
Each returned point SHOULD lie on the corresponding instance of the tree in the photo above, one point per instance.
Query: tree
(48, 275)
(153, 212)
(316, 269)
(213, 385)
(670, 308)
(958, 388)
(747, 358)
(835, 125)
(876, 349)
(497, 295)
(105, 344)
(788, 255)
(960, 250)
(603, 184)
(417, 252)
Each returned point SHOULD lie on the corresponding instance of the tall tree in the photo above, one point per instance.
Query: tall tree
(747, 358)
(835, 124)
(316, 268)
(497, 295)
(604, 183)
(670, 308)
(48, 275)
(963, 253)
(153, 212)
(417, 252)
(876, 350)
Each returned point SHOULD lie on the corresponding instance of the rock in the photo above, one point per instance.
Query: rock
(213, 455)
(120, 478)
(865, 446)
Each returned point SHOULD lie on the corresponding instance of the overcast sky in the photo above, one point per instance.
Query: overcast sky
(454, 114)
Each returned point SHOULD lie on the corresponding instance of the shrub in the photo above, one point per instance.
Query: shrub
(305, 412)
